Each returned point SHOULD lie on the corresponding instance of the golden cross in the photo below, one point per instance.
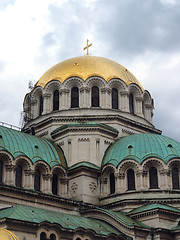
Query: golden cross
(87, 47)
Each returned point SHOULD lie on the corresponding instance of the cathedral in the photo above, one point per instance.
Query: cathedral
(88, 163)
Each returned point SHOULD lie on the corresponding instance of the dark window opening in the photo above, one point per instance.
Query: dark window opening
(52, 237)
(1, 170)
(175, 178)
(40, 105)
(18, 178)
(56, 100)
(33, 131)
(37, 180)
(95, 97)
(153, 178)
(115, 104)
(112, 183)
(74, 97)
(55, 184)
(131, 179)
(43, 236)
(131, 103)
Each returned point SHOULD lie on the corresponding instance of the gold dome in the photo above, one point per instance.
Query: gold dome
(85, 67)
(7, 235)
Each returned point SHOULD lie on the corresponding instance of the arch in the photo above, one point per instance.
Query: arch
(115, 99)
(112, 182)
(130, 179)
(74, 97)
(37, 180)
(18, 177)
(131, 103)
(55, 184)
(95, 96)
(153, 178)
(55, 100)
(175, 178)
(40, 105)
(1, 171)
(43, 236)
(52, 236)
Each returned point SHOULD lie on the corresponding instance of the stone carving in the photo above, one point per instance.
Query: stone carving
(92, 187)
(74, 187)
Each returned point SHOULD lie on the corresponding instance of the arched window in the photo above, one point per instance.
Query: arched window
(1, 171)
(56, 100)
(40, 105)
(131, 103)
(95, 97)
(52, 237)
(115, 104)
(153, 178)
(175, 178)
(74, 97)
(37, 180)
(130, 179)
(55, 184)
(18, 178)
(43, 236)
(112, 183)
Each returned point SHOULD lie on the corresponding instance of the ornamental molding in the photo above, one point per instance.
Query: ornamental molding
(61, 144)
(47, 95)
(139, 99)
(64, 91)
(105, 90)
(85, 89)
(127, 131)
(73, 82)
(43, 134)
(107, 142)
(83, 140)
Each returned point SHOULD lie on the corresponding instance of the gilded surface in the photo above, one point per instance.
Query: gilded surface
(85, 67)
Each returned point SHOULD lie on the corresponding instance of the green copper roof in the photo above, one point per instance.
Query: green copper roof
(84, 164)
(124, 218)
(85, 124)
(152, 207)
(141, 146)
(22, 144)
(67, 221)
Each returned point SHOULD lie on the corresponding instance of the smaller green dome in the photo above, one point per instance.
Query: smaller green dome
(141, 146)
(7, 235)
(22, 144)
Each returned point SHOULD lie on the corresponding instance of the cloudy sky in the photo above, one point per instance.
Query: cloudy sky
(142, 35)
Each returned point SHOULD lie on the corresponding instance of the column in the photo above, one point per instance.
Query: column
(46, 184)
(138, 106)
(34, 109)
(65, 99)
(122, 183)
(124, 101)
(63, 192)
(28, 180)
(47, 105)
(148, 112)
(140, 185)
(10, 175)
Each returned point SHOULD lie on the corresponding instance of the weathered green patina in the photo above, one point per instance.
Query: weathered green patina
(153, 206)
(84, 164)
(66, 221)
(141, 146)
(21, 144)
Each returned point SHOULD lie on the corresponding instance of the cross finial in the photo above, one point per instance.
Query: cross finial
(87, 47)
